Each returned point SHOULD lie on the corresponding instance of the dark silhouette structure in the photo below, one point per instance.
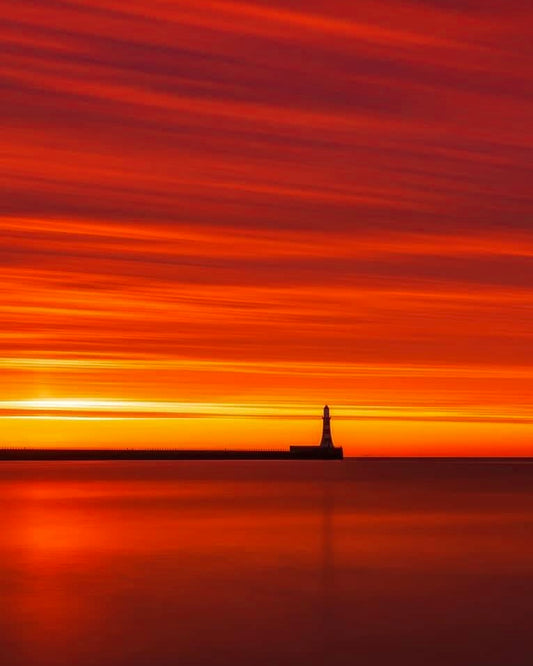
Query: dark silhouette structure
(326, 440)
(326, 451)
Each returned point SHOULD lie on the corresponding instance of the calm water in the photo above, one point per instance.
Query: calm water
(266, 563)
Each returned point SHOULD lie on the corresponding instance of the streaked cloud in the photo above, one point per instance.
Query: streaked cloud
(268, 202)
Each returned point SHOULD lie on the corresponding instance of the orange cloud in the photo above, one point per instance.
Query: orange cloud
(244, 203)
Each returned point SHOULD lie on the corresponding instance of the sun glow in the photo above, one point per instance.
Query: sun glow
(143, 408)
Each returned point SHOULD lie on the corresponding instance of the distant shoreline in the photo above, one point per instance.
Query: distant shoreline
(294, 453)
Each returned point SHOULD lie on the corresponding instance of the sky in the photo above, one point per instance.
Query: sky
(217, 216)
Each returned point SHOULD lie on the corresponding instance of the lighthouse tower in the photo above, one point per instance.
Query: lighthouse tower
(326, 450)
(326, 441)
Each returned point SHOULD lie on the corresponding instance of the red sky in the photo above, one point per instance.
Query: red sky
(216, 216)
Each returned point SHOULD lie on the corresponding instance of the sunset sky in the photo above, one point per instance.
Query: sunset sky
(217, 216)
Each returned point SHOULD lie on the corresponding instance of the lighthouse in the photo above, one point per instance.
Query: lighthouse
(326, 450)
(326, 441)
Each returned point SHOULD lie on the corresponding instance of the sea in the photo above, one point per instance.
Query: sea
(266, 563)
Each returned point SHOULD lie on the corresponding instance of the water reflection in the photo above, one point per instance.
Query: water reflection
(265, 563)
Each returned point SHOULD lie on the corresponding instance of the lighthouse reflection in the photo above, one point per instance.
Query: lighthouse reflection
(327, 605)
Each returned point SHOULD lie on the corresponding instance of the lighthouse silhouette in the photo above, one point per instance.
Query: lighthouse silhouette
(326, 442)
(326, 450)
